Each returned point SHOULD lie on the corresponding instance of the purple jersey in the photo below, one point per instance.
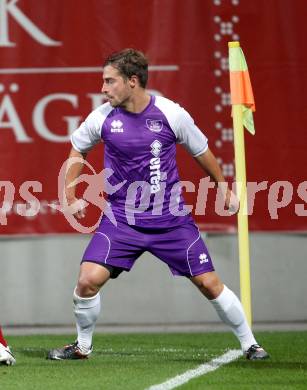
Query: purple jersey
(140, 149)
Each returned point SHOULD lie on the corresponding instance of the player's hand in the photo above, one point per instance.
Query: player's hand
(76, 207)
(231, 201)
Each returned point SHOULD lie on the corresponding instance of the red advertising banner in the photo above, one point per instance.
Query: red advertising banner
(51, 75)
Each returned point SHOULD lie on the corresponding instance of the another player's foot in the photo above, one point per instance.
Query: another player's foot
(256, 352)
(6, 356)
(71, 351)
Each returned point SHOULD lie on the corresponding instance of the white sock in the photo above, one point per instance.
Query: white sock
(230, 311)
(86, 312)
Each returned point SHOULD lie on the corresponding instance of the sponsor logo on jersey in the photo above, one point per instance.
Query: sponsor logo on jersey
(117, 126)
(154, 166)
(154, 125)
(156, 147)
(203, 258)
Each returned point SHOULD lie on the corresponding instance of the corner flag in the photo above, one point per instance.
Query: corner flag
(243, 104)
(240, 85)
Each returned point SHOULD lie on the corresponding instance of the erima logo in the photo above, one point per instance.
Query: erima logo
(154, 125)
(203, 258)
(117, 126)
(156, 148)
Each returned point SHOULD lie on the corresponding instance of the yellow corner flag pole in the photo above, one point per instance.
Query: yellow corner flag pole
(243, 104)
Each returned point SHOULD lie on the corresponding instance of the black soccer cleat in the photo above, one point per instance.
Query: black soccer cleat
(71, 351)
(256, 352)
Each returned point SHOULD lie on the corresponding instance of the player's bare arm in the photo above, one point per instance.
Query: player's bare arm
(73, 172)
(210, 165)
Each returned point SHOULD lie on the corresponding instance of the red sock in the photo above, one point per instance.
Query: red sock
(2, 340)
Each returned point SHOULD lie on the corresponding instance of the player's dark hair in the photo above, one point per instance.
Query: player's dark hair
(130, 62)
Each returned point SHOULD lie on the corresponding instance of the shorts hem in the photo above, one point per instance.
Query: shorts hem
(188, 275)
(202, 272)
(102, 264)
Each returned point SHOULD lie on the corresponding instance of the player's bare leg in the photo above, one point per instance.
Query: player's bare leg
(209, 284)
(92, 277)
(86, 308)
(230, 311)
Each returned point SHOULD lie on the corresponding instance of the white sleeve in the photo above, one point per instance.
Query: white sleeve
(183, 126)
(190, 135)
(88, 133)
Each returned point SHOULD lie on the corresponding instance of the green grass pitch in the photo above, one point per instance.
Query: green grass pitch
(137, 361)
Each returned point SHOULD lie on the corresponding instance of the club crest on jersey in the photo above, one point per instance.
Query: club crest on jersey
(117, 126)
(154, 125)
(156, 147)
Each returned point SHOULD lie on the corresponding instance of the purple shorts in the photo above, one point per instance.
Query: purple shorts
(180, 247)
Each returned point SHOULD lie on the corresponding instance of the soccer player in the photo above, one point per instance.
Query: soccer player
(6, 356)
(140, 133)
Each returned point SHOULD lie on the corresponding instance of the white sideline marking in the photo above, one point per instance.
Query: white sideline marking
(84, 69)
(203, 369)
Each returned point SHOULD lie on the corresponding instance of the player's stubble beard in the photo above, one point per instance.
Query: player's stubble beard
(123, 102)
(119, 103)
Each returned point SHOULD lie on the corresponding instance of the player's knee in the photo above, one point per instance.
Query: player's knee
(86, 287)
(209, 284)
(91, 278)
